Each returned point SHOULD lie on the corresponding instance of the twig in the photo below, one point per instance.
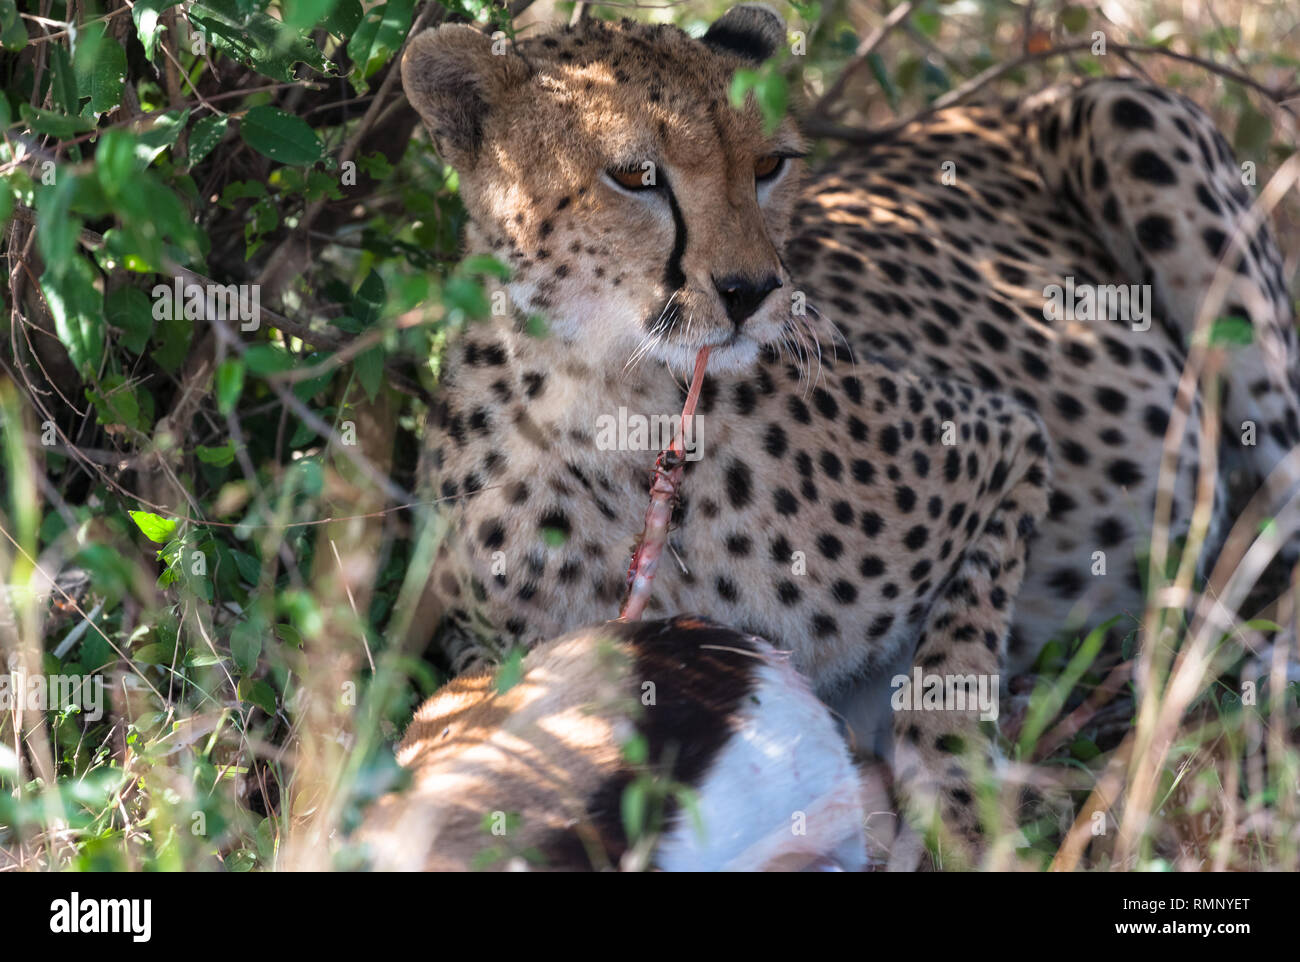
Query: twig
(818, 127)
(47, 22)
(664, 491)
(865, 49)
(313, 420)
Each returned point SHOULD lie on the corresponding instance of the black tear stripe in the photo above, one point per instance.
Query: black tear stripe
(674, 276)
(703, 673)
(669, 312)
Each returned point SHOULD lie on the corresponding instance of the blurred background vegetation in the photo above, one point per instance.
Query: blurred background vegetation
(224, 522)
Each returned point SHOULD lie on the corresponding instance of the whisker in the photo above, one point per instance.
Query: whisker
(655, 335)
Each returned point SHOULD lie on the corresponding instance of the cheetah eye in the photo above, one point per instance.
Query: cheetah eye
(765, 168)
(633, 178)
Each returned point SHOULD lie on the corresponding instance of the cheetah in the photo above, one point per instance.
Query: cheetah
(895, 414)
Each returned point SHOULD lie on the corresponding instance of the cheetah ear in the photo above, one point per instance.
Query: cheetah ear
(751, 31)
(453, 76)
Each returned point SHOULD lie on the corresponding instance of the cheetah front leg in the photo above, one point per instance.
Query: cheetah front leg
(945, 710)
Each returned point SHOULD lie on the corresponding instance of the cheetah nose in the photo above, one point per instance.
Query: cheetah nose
(742, 295)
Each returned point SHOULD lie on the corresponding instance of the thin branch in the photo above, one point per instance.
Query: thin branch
(860, 56)
(818, 127)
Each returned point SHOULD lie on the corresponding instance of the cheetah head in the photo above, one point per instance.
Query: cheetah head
(640, 213)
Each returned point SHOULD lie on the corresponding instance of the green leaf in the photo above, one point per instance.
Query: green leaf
(162, 135)
(378, 37)
(1084, 749)
(145, 13)
(115, 165)
(63, 82)
(935, 77)
(320, 185)
(535, 326)
(343, 19)
(465, 297)
(78, 312)
(369, 366)
(511, 671)
(256, 39)
(250, 569)
(772, 93)
(13, 35)
(52, 124)
(241, 190)
(57, 227)
(172, 342)
(1253, 132)
(742, 82)
(636, 750)
(907, 73)
(207, 133)
(878, 70)
(302, 433)
(1235, 331)
(1260, 624)
(375, 165)
(241, 860)
(154, 526)
(927, 22)
(257, 693)
(483, 264)
(553, 537)
(807, 11)
(196, 658)
(219, 457)
(115, 402)
(264, 359)
(305, 14)
(156, 654)
(229, 382)
(281, 136)
(1074, 18)
(302, 607)
(288, 634)
(246, 644)
(368, 302)
(128, 310)
(102, 78)
(633, 809)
